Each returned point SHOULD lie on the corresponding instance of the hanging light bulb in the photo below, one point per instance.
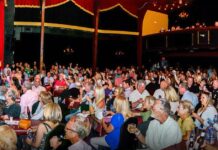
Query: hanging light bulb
(180, 2)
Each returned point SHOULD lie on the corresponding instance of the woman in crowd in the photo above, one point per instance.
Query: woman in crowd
(38, 107)
(52, 116)
(121, 105)
(8, 140)
(206, 112)
(12, 109)
(185, 121)
(146, 108)
(15, 85)
(173, 98)
(123, 112)
(111, 140)
(110, 102)
(98, 105)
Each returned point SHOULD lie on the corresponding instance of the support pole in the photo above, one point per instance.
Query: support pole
(139, 42)
(42, 35)
(2, 33)
(95, 37)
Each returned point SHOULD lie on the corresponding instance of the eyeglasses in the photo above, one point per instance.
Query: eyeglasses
(67, 129)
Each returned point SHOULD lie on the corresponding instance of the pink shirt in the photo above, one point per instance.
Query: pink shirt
(28, 99)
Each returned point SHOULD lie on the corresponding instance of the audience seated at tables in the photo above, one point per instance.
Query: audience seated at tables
(8, 138)
(52, 117)
(153, 119)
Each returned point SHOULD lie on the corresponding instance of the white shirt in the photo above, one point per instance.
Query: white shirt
(135, 96)
(38, 89)
(28, 99)
(209, 113)
(127, 92)
(159, 93)
(160, 136)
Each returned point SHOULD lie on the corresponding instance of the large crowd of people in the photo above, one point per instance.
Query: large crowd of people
(122, 108)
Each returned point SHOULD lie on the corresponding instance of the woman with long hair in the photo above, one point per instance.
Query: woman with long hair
(97, 106)
(206, 112)
(172, 96)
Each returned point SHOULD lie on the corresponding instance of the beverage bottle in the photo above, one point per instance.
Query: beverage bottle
(200, 141)
(191, 144)
(28, 113)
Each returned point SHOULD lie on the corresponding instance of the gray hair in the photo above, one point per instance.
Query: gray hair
(12, 94)
(166, 106)
(3, 90)
(81, 126)
(27, 85)
(184, 85)
(140, 82)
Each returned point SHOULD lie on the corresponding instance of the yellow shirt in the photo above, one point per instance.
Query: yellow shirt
(186, 125)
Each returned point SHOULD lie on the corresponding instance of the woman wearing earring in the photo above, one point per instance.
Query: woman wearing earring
(206, 112)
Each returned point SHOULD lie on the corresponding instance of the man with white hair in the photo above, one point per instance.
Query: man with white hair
(138, 95)
(76, 130)
(37, 87)
(163, 132)
(28, 98)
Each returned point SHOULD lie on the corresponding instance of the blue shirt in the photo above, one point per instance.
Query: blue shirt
(189, 96)
(113, 137)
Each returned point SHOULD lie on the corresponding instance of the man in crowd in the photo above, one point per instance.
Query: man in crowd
(138, 95)
(28, 98)
(76, 130)
(163, 131)
(187, 95)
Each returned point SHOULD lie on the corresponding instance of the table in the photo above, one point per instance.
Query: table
(20, 131)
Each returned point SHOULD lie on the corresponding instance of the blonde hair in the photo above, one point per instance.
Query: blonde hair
(52, 112)
(120, 91)
(188, 106)
(45, 97)
(209, 102)
(121, 105)
(100, 94)
(150, 99)
(171, 95)
(8, 140)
